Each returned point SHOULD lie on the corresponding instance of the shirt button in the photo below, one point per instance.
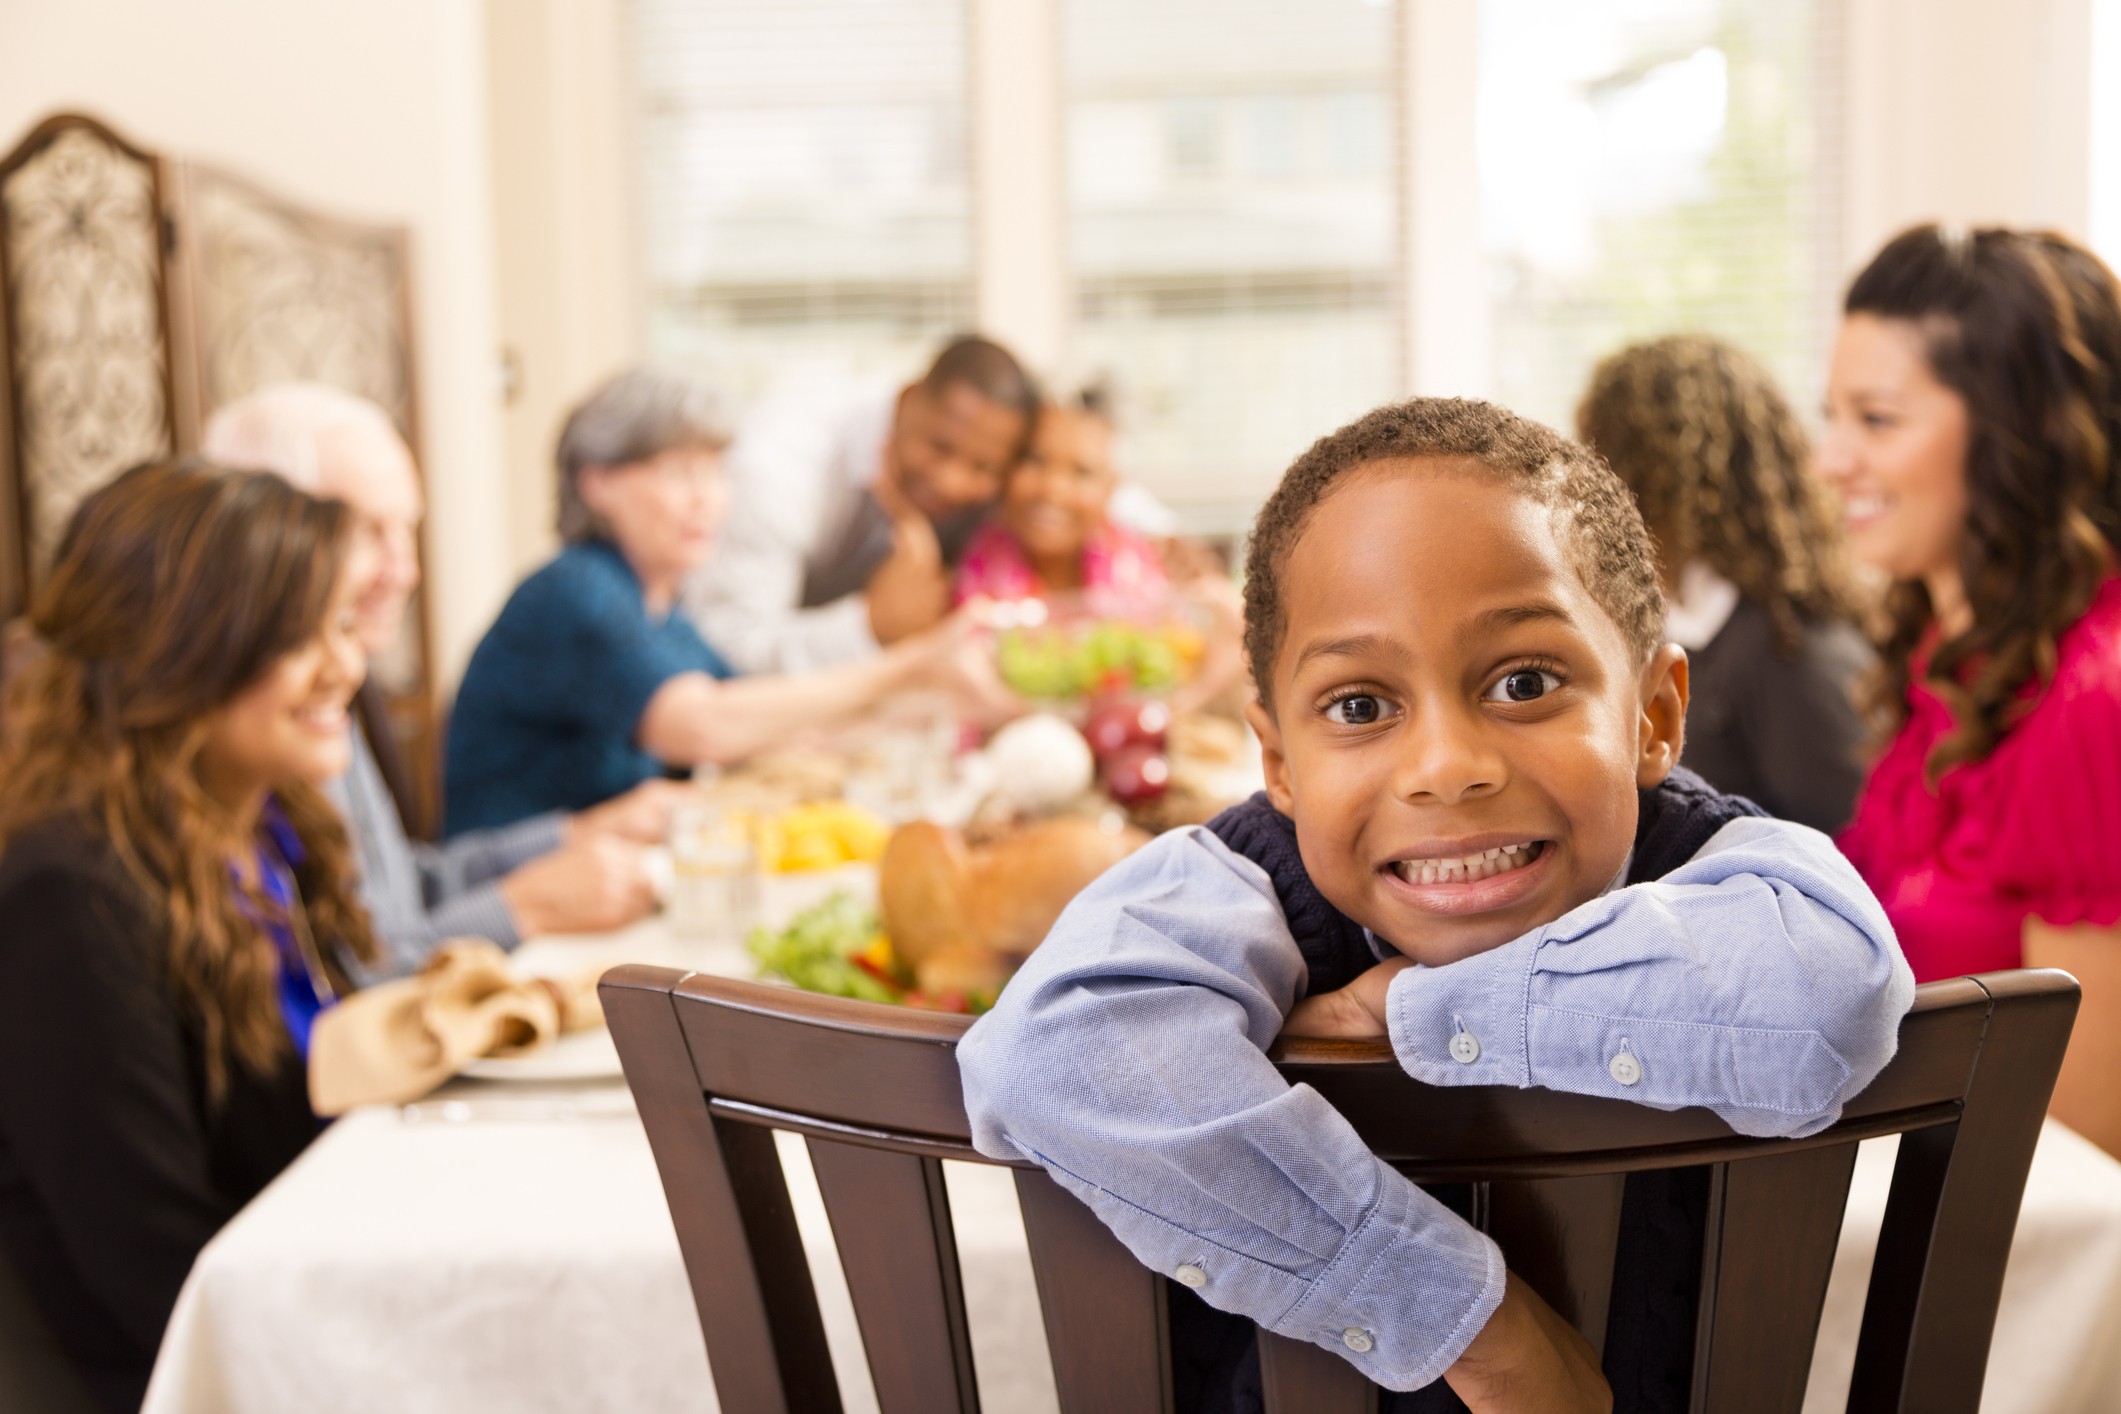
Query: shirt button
(1626, 1069)
(1357, 1340)
(1464, 1048)
(1190, 1275)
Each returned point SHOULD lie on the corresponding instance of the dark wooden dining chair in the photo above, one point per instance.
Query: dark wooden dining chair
(716, 1065)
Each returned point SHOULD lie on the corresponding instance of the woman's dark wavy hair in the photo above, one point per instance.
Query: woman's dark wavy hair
(175, 587)
(2025, 326)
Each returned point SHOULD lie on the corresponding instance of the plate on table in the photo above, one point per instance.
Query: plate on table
(585, 1055)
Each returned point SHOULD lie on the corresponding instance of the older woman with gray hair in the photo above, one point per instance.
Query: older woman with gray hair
(589, 682)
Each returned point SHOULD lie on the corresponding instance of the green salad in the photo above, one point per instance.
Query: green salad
(818, 950)
(1074, 660)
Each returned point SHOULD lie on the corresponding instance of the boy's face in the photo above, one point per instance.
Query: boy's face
(1447, 688)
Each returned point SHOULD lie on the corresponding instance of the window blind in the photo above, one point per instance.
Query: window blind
(1231, 198)
(804, 189)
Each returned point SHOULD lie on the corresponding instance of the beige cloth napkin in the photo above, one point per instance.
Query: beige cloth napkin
(396, 1041)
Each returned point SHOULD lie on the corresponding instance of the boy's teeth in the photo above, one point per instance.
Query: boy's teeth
(1467, 868)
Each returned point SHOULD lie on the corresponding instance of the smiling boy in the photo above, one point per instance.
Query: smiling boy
(1473, 840)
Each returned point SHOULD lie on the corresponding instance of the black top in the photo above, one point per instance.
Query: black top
(114, 1170)
(1781, 730)
(1649, 1345)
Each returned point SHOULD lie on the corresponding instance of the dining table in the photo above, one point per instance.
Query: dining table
(504, 1244)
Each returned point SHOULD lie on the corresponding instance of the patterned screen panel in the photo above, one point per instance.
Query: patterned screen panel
(279, 295)
(85, 310)
(284, 294)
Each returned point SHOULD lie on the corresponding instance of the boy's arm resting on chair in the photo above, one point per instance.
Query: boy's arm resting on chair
(1128, 1059)
(1760, 980)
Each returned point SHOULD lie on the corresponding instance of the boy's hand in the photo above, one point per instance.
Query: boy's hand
(1356, 1011)
(1527, 1360)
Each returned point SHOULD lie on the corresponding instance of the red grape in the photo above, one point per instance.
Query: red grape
(1135, 773)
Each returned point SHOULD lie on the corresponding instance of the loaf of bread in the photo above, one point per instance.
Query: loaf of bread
(958, 912)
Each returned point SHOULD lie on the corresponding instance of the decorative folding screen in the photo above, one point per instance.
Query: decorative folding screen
(140, 292)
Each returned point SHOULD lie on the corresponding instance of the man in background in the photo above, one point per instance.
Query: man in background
(551, 874)
(850, 506)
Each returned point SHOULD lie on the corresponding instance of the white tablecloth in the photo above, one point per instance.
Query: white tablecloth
(2058, 1330)
(520, 1258)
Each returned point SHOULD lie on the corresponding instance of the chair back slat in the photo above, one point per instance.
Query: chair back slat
(1106, 1323)
(717, 1064)
(1939, 1271)
(1774, 1222)
(1297, 1377)
(735, 1224)
(891, 1222)
(1900, 1270)
(1559, 1234)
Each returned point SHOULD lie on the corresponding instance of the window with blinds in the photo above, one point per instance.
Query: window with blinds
(1231, 183)
(804, 189)
(1654, 167)
(1231, 196)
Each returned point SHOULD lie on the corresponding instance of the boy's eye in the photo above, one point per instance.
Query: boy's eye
(1358, 710)
(1524, 685)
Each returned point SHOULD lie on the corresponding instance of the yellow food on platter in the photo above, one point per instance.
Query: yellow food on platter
(821, 835)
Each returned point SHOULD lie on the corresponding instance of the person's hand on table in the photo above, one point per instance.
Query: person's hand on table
(1527, 1360)
(589, 885)
(641, 814)
(1354, 1012)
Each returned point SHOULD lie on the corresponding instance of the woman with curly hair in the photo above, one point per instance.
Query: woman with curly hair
(1754, 567)
(1974, 409)
(177, 891)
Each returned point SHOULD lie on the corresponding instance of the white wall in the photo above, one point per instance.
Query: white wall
(372, 109)
(570, 300)
(1975, 111)
(2106, 130)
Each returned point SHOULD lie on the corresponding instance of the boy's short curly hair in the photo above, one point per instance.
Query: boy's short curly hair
(1593, 514)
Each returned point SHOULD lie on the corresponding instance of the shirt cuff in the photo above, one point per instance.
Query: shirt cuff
(1475, 1022)
(476, 913)
(516, 845)
(1406, 1293)
(1401, 1298)
(1486, 998)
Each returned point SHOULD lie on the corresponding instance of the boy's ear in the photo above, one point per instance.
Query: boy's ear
(1662, 729)
(1271, 759)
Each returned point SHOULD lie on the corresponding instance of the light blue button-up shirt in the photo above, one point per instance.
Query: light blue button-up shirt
(1127, 1058)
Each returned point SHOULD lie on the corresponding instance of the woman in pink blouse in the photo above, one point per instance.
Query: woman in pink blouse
(1974, 410)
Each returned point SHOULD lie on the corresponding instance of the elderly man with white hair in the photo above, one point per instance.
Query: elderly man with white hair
(551, 873)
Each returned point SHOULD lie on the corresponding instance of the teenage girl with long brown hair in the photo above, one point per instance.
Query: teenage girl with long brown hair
(1753, 563)
(176, 891)
(1974, 409)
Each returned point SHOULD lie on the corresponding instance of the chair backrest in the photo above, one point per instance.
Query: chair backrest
(715, 1065)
